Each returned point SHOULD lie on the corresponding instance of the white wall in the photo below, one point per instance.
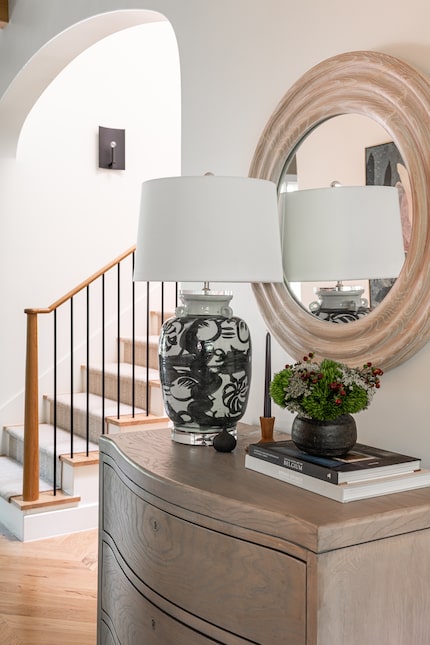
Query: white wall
(237, 60)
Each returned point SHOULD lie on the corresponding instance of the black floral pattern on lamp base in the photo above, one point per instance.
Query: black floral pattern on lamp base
(205, 371)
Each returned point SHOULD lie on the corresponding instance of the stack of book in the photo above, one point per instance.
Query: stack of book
(364, 472)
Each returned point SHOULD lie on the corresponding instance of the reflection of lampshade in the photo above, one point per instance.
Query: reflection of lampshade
(342, 233)
(207, 228)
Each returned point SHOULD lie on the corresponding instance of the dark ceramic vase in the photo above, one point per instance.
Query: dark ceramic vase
(325, 438)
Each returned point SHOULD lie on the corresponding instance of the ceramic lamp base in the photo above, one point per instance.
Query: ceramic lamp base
(205, 368)
(198, 438)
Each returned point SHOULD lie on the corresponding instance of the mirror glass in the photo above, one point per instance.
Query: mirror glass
(352, 150)
(396, 96)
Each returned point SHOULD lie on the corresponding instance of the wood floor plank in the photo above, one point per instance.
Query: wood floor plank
(48, 590)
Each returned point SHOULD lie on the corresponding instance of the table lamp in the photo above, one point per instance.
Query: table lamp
(341, 233)
(207, 229)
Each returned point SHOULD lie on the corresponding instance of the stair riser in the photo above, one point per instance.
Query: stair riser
(79, 420)
(95, 416)
(46, 462)
(140, 357)
(156, 321)
(154, 405)
(126, 388)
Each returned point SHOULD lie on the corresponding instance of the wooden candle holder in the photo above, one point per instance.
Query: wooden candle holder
(266, 425)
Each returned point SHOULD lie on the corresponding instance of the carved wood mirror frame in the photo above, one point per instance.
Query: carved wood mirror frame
(396, 96)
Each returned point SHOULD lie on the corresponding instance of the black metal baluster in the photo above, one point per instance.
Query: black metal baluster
(55, 404)
(147, 350)
(103, 353)
(87, 420)
(162, 307)
(71, 378)
(118, 386)
(133, 339)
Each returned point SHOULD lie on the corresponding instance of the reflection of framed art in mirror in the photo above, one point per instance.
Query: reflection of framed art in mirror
(385, 167)
(382, 164)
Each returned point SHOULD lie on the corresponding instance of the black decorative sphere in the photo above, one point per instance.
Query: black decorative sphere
(224, 441)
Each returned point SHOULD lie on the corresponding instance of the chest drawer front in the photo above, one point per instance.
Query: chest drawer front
(260, 593)
(137, 620)
(105, 635)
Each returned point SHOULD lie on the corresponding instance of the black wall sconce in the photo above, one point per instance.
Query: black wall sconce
(111, 148)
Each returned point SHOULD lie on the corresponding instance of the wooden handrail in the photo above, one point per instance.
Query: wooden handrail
(31, 415)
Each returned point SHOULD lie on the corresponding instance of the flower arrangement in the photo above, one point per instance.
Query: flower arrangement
(325, 390)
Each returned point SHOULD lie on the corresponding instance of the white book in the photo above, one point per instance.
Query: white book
(342, 492)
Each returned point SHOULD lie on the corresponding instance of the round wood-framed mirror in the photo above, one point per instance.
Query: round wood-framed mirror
(396, 96)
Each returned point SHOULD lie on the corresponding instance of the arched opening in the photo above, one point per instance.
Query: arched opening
(62, 216)
(25, 89)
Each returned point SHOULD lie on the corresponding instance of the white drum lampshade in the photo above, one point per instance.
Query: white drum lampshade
(342, 233)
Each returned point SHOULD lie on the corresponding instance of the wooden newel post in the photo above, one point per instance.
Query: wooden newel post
(31, 415)
(4, 13)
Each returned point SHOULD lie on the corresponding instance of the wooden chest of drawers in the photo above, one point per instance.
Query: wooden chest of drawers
(196, 549)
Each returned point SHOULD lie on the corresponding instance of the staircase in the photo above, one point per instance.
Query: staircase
(119, 396)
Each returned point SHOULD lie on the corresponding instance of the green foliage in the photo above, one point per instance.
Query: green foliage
(278, 387)
(325, 390)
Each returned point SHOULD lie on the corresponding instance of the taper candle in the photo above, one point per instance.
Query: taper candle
(268, 378)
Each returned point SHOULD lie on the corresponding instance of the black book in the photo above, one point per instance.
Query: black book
(361, 463)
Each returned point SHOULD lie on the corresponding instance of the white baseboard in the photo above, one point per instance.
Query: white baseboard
(38, 525)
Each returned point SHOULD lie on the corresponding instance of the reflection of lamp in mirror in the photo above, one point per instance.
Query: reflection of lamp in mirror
(341, 233)
(217, 229)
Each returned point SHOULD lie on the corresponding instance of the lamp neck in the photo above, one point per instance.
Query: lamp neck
(205, 303)
(339, 285)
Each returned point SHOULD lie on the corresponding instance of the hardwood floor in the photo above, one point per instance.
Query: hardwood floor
(48, 590)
